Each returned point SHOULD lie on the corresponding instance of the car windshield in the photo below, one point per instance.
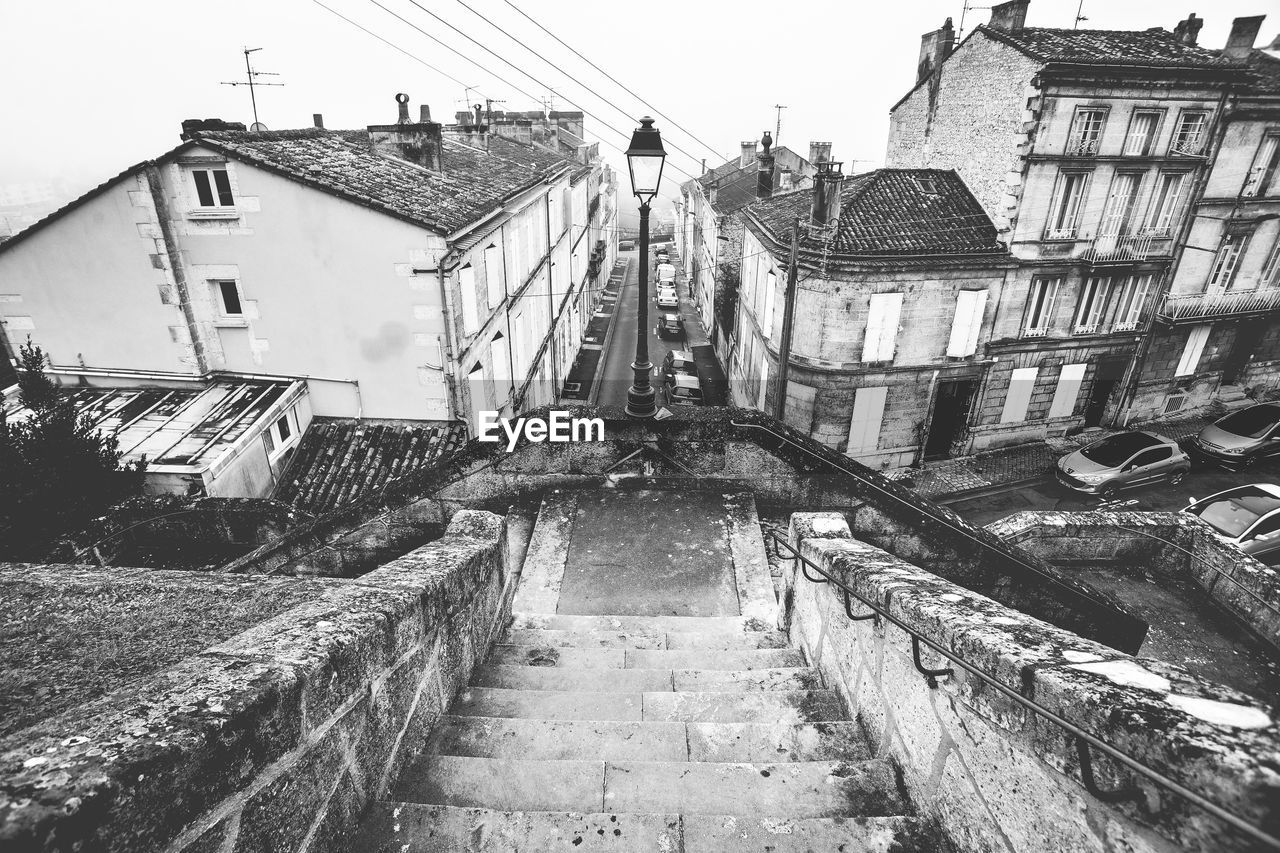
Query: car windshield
(1252, 422)
(685, 393)
(1231, 515)
(1116, 449)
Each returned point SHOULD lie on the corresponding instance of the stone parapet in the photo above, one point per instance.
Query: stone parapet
(275, 739)
(996, 775)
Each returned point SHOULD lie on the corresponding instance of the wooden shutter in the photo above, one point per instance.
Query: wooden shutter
(764, 382)
(1022, 383)
(967, 324)
(493, 274)
(882, 327)
(766, 321)
(864, 426)
(1064, 396)
(1192, 351)
(467, 285)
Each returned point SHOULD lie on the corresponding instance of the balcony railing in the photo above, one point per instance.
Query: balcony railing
(1199, 307)
(1120, 247)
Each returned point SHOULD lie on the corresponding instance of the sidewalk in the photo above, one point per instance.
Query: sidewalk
(581, 381)
(1024, 463)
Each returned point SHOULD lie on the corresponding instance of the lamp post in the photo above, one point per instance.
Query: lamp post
(644, 160)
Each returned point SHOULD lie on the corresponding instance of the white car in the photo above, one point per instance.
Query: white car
(667, 298)
(666, 272)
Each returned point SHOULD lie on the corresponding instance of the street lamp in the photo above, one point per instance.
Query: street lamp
(644, 160)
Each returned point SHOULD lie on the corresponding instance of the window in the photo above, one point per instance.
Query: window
(1227, 262)
(864, 425)
(213, 188)
(1190, 133)
(1064, 211)
(1271, 268)
(1142, 133)
(967, 323)
(1093, 301)
(766, 320)
(1165, 202)
(1041, 303)
(281, 435)
(1151, 457)
(1018, 400)
(228, 294)
(1191, 352)
(764, 382)
(882, 327)
(1115, 216)
(1133, 299)
(1064, 396)
(493, 273)
(467, 288)
(1086, 132)
(1259, 180)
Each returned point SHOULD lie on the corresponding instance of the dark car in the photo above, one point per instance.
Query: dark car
(670, 326)
(1122, 461)
(1241, 438)
(678, 362)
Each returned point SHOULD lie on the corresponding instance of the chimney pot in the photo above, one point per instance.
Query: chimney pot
(403, 101)
(1189, 30)
(826, 194)
(424, 113)
(764, 172)
(417, 142)
(1244, 31)
(819, 152)
(318, 120)
(1010, 16)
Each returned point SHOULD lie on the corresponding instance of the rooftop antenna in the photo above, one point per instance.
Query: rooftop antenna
(963, 12)
(1079, 16)
(777, 131)
(251, 80)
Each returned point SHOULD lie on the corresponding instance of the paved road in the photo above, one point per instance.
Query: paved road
(1203, 480)
(617, 376)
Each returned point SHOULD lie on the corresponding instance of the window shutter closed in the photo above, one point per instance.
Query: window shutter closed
(882, 327)
(864, 426)
(967, 324)
(493, 274)
(467, 284)
(766, 321)
(1021, 385)
(1064, 396)
(1192, 351)
(764, 382)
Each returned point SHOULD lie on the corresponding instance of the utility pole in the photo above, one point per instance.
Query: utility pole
(251, 80)
(777, 131)
(788, 314)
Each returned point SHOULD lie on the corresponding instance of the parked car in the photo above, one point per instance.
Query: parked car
(670, 326)
(1247, 516)
(626, 245)
(1241, 438)
(682, 390)
(678, 362)
(1122, 461)
(667, 298)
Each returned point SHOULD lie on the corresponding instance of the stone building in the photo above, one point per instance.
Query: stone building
(1087, 148)
(407, 271)
(900, 276)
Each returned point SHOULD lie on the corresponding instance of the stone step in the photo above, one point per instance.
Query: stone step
(563, 740)
(787, 706)
(508, 655)
(547, 704)
(744, 680)
(644, 680)
(531, 655)
(812, 789)
(395, 827)
(576, 639)
(639, 624)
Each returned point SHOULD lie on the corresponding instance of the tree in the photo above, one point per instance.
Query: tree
(58, 471)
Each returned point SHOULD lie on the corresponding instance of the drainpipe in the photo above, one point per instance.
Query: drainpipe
(1130, 382)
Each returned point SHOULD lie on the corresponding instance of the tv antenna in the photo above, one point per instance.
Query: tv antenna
(778, 130)
(1079, 16)
(963, 12)
(251, 80)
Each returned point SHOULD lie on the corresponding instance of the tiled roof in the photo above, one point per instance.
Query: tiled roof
(342, 460)
(735, 185)
(1264, 73)
(1155, 46)
(473, 182)
(893, 212)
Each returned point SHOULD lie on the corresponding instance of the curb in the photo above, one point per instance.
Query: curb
(594, 394)
(988, 491)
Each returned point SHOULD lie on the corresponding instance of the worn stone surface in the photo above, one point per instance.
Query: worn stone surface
(558, 740)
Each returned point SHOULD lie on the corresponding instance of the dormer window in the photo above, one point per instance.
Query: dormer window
(213, 188)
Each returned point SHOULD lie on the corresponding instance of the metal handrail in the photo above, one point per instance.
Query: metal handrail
(1082, 736)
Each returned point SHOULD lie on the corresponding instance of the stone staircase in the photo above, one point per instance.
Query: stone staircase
(1232, 397)
(635, 733)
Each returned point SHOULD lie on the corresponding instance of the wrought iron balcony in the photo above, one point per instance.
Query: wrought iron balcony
(1180, 309)
(1126, 248)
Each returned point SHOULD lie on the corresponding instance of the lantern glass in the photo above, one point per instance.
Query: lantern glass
(645, 159)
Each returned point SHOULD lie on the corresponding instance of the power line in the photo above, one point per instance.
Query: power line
(615, 80)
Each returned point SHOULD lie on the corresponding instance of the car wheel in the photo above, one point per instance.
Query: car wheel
(1176, 477)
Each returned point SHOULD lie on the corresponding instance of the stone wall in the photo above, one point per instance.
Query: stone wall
(1164, 542)
(276, 739)
(995, 775)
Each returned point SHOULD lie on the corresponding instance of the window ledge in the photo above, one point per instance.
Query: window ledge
(213, 213)
(231, 323)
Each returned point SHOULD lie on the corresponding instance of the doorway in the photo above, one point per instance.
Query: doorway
(1248, 337)
(949, 425)
(1105, 380)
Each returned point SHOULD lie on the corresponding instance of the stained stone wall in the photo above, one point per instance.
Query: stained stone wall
(993, 774)
(274, 740)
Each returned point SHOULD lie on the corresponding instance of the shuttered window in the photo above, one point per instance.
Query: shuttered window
(493, 273)
(764, 382)
(766, 320)
(467, 286)
(967, 324)
(864, 426)
(1192, 351)
(1064, 396)
(1021, 384)
(882, 327)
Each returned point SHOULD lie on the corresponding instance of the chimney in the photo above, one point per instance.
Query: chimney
(1189, 30)
(195, 125)
(419, 142)
(826, 194)
(1244, 31)
(935, 47)
(318, 120)
(819, 152)
(748, 155)
(1010, 16)
(764, 172)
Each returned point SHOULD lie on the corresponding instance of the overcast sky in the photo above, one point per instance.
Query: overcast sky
(93, 87)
